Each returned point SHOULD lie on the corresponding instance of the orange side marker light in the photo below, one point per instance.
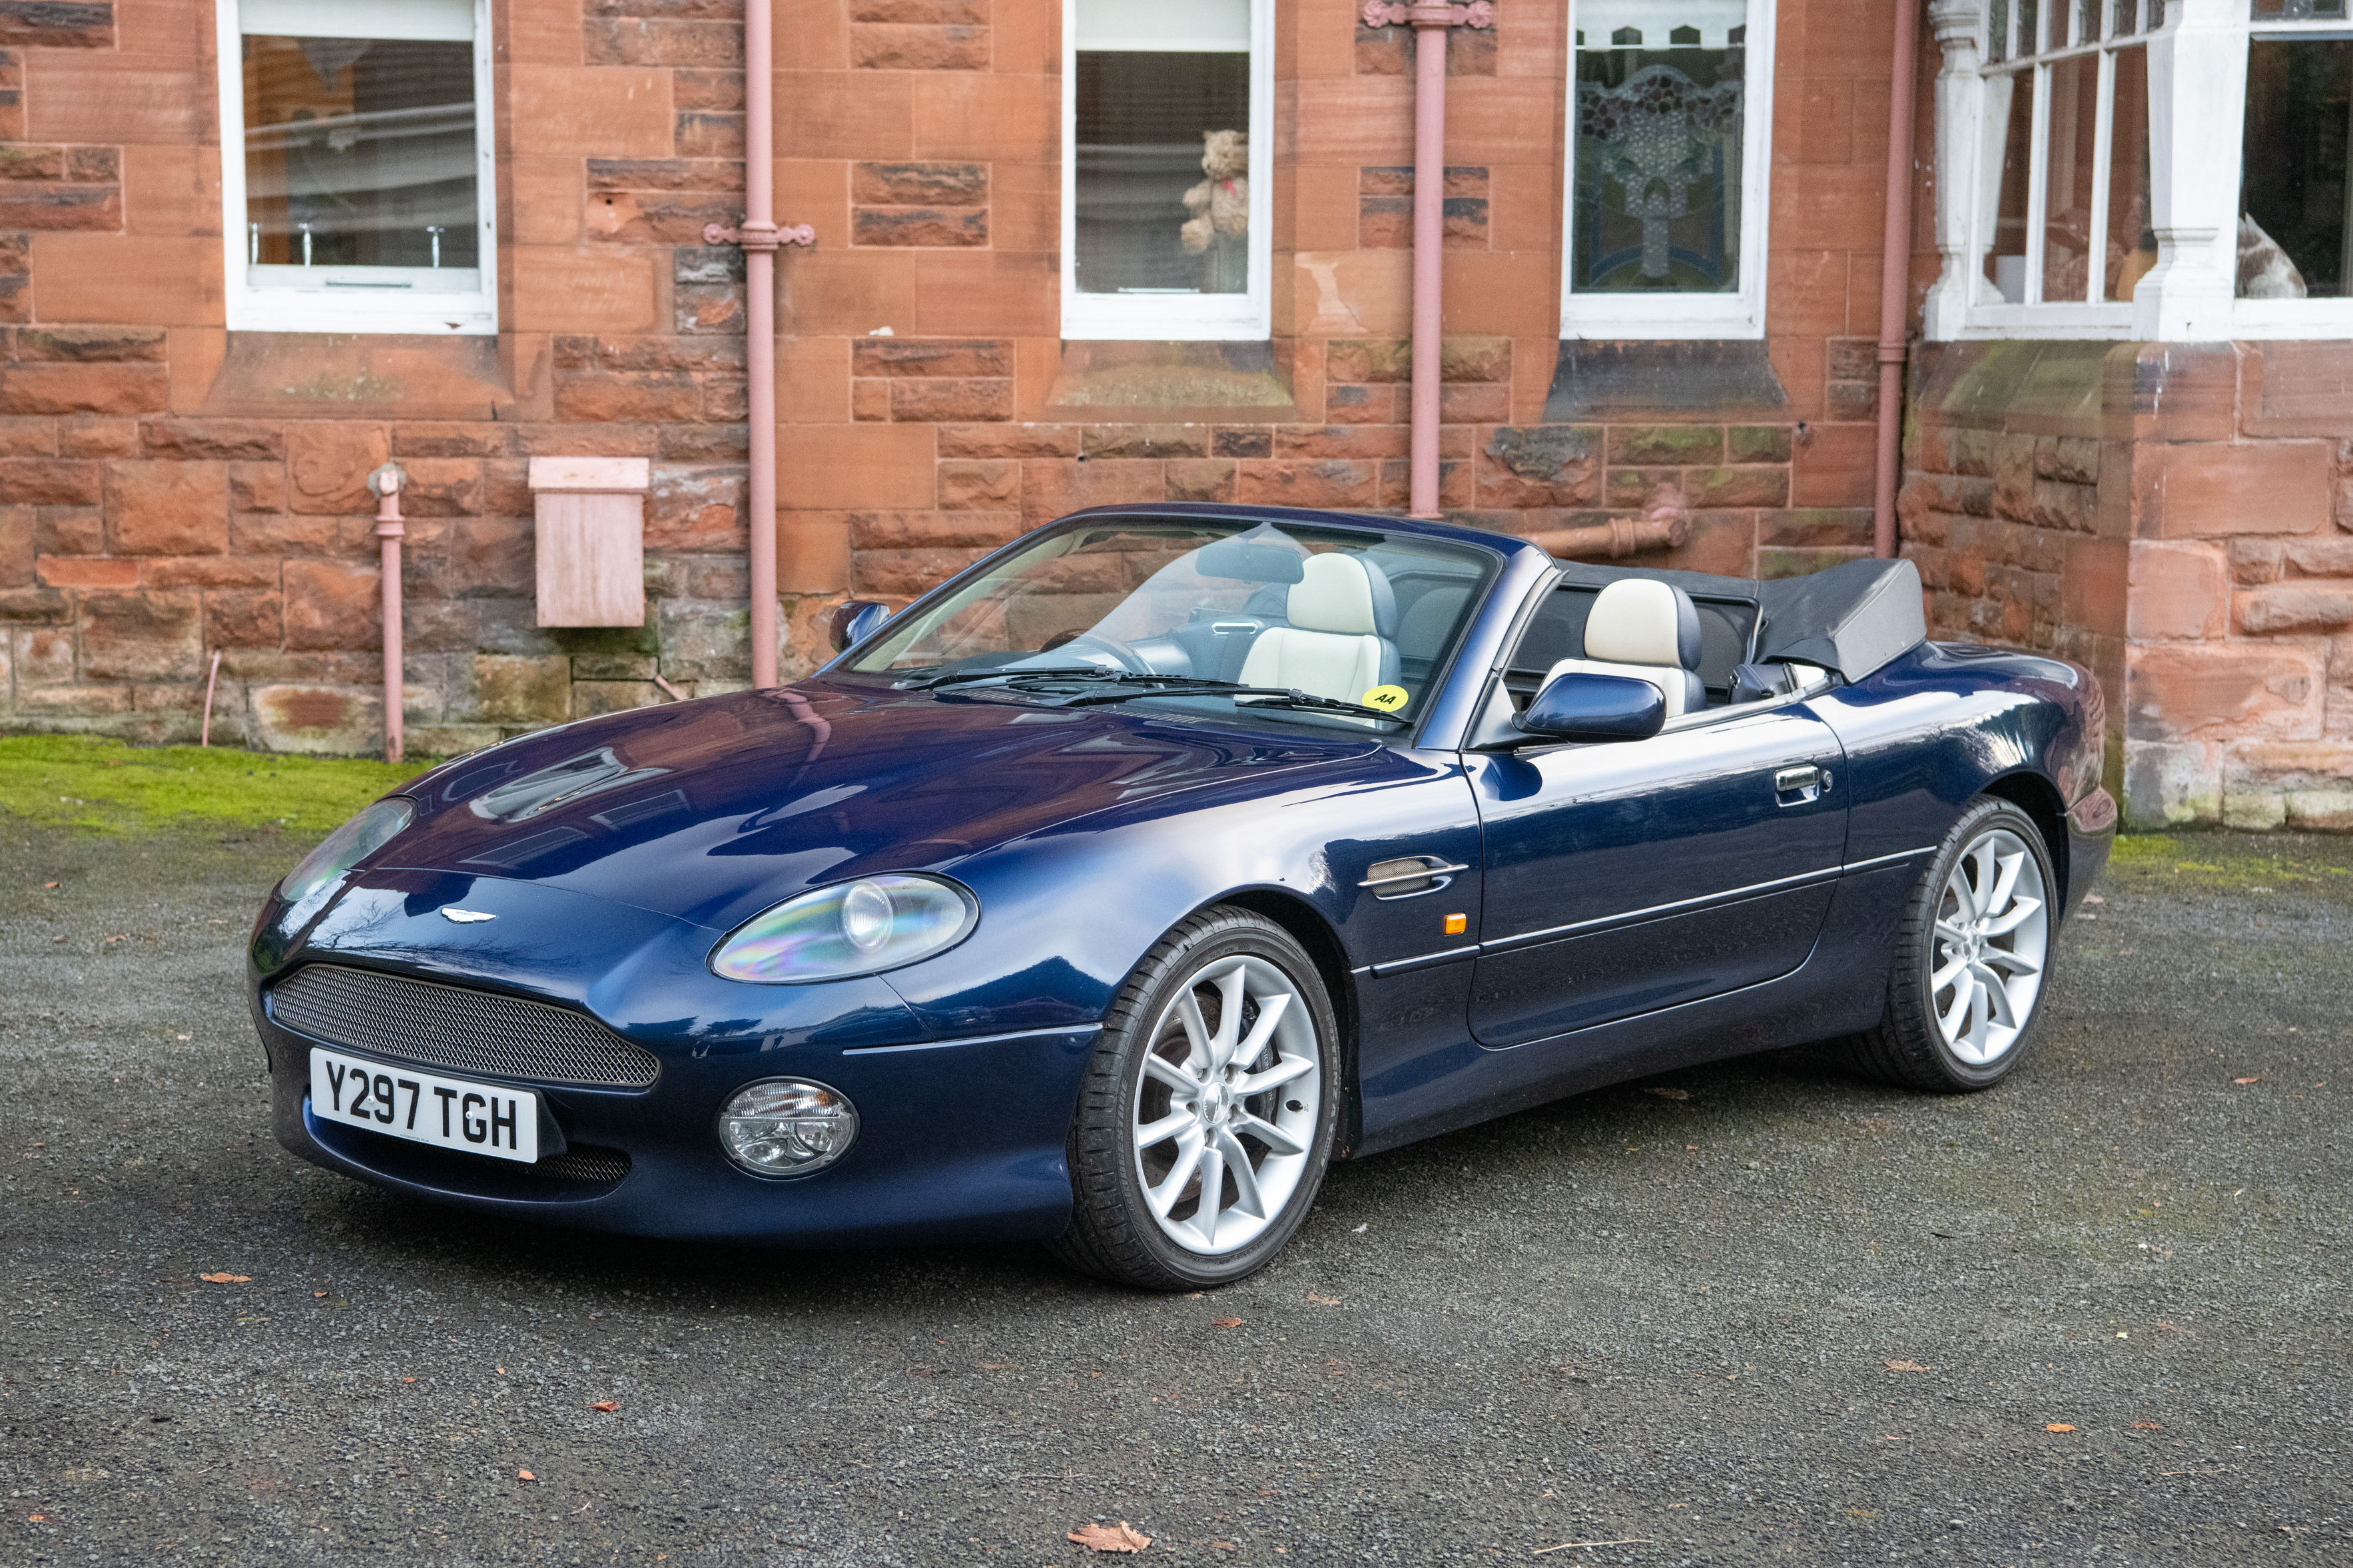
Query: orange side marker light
(1456, 924)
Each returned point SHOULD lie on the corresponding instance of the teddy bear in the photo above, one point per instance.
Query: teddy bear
(1220, 203)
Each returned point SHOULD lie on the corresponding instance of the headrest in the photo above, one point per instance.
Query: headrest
(1339, 593)
(1638, 620)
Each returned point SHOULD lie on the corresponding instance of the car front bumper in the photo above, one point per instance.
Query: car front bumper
(960, 1139)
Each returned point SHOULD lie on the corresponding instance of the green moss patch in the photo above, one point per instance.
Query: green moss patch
(2234, 862)
(105, 787)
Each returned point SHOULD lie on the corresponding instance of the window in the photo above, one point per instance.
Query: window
(1670, 110)
(1166, 179)
(2295, 183)
(2062, 204)
(356, 166)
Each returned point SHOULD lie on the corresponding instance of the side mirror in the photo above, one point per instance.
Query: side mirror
(854, 621)
(1581, 707)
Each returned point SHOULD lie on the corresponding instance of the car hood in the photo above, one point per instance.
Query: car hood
(711, 810)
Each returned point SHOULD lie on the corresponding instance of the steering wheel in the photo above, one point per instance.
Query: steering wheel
(1127, 658)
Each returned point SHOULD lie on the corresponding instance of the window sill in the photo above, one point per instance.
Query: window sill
(1170, 382)
(384, 375)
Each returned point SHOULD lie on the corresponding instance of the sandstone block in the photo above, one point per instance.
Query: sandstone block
(246, 438)
(2176, 590)
(92, 436)
(919, 184)
(930, 399)
(328, 463)
(1050, 489)
(2223, 691)
(152, 635)
(980, 485)
(322, 720)
(704, 642)
(48, 481)
(883, 46)
(2295, 606)
(1008, 440)
(2170, 785)
(956, 357)
(243, 617)
(2212, 489)
(74, 388)
(332, 605)
(86, 571)
(509, 689)
(1249, 441)
(156, 508)
(1145, 441)
(906, 571)
(1540, 466)
(1341, 484)
(1763, 485)
(1666, 444)
(1201, 480)
(903, 530)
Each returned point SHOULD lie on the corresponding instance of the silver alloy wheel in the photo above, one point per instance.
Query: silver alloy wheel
(1993, 934)
(1226, 1105)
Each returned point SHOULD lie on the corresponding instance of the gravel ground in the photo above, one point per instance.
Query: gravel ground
(1759, 1312)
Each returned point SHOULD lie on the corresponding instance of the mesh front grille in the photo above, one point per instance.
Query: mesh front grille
(449, 1026)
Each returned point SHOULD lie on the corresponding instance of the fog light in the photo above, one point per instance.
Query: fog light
(787, 1126)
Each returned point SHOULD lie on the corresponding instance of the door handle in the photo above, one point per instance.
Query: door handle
(1798, 785)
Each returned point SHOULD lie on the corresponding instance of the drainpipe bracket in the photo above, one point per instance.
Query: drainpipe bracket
(753, 235)
(1381, 13)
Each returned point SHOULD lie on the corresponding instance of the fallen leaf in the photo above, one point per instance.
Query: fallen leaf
(226, 1279)
(1323, 1301)
(1119, 1537)
(525, 1476)
(317, 1295)
(1665, 1093)
(409, 1380)
(2246, 1081)
(1905, 1366)
(2057, 1426)
(2171, 1328)
(1225, 1322)
(2148, 1426)
(1621, 1541)
(606, 1406)
(2094, 899)
(48, 884)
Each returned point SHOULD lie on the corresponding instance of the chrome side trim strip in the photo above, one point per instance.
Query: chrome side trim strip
(1661, 911)
(1427, 961)
(1876, 861)
(972, 1040)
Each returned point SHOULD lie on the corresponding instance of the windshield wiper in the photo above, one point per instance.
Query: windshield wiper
(1004, 672)
(1267, 696)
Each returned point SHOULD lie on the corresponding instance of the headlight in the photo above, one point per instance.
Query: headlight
(853, 928)
(347, 846)
(787, 1126)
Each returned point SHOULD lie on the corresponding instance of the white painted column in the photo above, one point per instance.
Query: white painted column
(2198, 105)
(1958, 24)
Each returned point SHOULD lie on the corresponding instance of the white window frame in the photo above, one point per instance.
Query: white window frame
(1739, 314)
(1246, 317)
(354, 305)
(2197, 95)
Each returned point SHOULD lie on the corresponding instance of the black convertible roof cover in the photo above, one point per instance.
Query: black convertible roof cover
(1853, 618)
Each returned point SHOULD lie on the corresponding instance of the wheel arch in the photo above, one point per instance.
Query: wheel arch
(1307, 926)
(2038, 798)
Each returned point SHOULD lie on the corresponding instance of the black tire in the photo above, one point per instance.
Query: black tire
(1114, 1233)
(1908, 1046)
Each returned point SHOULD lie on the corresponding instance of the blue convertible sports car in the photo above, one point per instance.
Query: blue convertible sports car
(1109, 891)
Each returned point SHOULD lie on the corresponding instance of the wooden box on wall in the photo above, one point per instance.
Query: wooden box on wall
(592, 540)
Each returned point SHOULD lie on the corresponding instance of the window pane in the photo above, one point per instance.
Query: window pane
(2296, 10)
(360, 152)
(2029, 26)
(2291, 235)
(1657, 167)
(2009, 133)
(2073, 153)
(2132, 244)
(1163, 161)
(1997, 32)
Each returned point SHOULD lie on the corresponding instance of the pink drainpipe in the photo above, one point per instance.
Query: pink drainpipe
(386, 482)
(1895, 277)
(759, 237)
(1430, 24)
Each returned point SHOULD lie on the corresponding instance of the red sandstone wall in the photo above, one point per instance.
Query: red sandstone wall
(169, 490)
(2179, 519)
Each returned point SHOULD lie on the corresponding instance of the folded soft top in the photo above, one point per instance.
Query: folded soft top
(1852, 618)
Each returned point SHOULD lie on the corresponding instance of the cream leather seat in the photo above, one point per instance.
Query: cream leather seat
(1648, 630)
(1343, 617)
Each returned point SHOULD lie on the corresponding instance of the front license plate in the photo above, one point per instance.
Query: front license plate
(447, 1112)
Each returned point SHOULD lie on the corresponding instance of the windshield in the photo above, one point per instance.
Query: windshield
(1360, 618)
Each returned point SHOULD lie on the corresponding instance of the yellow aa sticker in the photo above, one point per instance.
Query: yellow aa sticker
(1387, 699)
